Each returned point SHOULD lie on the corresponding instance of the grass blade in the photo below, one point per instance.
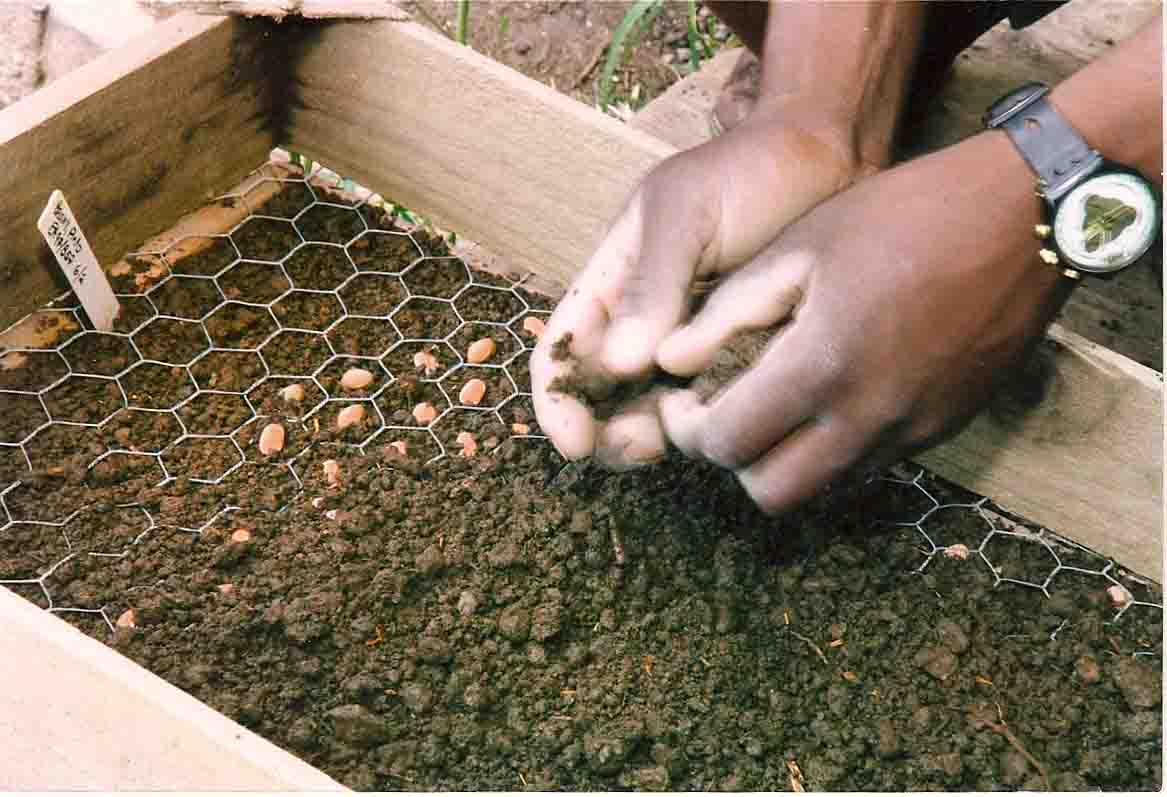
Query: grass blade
(616, 48)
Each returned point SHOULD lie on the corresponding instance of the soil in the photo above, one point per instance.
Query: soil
(507, 621)
(565, 44)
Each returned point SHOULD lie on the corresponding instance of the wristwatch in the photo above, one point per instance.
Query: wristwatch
(1100, 216)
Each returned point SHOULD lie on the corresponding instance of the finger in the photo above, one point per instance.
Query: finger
(634, 436)
(565, 419)
(683, 417)
(654, 295)
(758, 296)
(786, 387)
(808, 459)
(584, 313)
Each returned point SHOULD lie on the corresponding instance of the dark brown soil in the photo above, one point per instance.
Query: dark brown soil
(463, 623)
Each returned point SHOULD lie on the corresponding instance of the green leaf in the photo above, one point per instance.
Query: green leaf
(616, 48)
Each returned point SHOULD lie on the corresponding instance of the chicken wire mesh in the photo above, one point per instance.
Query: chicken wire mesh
(221, 335)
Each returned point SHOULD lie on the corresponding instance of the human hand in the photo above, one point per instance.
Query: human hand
(695, 216)
(921, 287)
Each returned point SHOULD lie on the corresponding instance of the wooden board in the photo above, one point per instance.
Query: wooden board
(77, 715)
(504, 160)
(535, 177)
(134, 139)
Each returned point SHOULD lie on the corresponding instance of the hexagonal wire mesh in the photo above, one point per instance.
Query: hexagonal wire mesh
(227, 317)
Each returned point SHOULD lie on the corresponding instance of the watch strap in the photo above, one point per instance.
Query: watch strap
(1054, 150)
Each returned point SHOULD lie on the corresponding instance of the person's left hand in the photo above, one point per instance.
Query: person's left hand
(921, 287)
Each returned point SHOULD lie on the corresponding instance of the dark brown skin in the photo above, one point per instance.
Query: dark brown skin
(901, 302)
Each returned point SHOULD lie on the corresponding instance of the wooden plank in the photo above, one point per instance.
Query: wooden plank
(134, 139)
(535, 177)
(1086, 462)
(279, 9)
(502, 159)
(77, 715)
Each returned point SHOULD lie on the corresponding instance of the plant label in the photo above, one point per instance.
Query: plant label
(64, 237)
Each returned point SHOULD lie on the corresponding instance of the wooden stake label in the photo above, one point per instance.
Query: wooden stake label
(59, 227)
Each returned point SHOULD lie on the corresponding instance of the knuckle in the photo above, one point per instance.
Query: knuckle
(720, 448)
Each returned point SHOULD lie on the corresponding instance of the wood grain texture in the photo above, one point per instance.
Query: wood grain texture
(502, 159)
(135, 138)
(85, 717)
(279, 9)
(536, 177)
(1086, 462)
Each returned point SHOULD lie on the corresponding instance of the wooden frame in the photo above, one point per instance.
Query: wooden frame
(144, 133)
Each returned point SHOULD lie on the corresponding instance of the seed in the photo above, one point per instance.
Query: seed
(271, 439)
(226, 589)
(127, 619)
(424, 413)
(472, 392)
(240, 535)
(332, 472)
(533, 325)
(12, 361)
(1119, 595)
(520, 428)
(293, 393)
(425, 360)
(352, 414)
(480, 350)
(400, 447)
(958, 551)
(356, 379)
(318, 502)
(468, 443)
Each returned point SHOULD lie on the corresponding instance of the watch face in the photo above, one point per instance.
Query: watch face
(1107, 222)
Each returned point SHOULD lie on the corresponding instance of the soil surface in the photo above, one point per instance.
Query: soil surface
(504, 620)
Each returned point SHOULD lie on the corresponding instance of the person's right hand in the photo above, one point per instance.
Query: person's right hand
(698, 214)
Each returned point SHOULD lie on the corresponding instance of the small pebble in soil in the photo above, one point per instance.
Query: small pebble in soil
(1088, 670)
(424, 413)
(468, 443)
(240, 535)
(356, 379)
(533, 325)
(12, 361)
(400, 447)
(467, 603)
(226, 589)
(293, 393)
(520, 428)
(1119, 596)
(350, 416)
(271, 439)
(472, 392)
(480, 350)
(332, 472)
(127, 619)
(958, 551)
(426, 361)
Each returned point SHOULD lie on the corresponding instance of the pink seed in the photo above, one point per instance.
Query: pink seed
(293, 393)
(240, 535)
(468, 443)
(472, 392)
(127, 619)
(520, 428)
(533, 325)
(480, 350)
(271, 439)
(332, 472)
(350, 415)
(425, 360)
(424, 413)
(356, 379)
(400, 447)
